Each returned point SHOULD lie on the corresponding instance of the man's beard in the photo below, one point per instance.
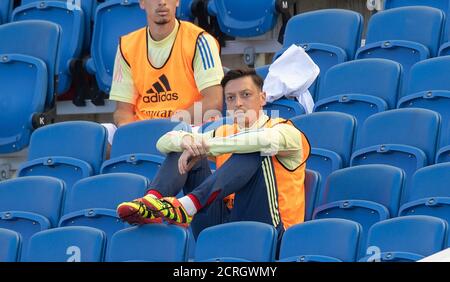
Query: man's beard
(162, 21)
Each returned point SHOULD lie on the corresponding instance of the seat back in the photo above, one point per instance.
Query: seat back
(312, 184)
(184, 11)
(5, 10)
(30, 204)
(365, 194)
(429, 193)
(316, 241)
(351, 88)
(88, 8)
(237, 241)
(429, 88)
(330, 135)
(329, 36)
(20, 100)
(335, 27)
(142, 157)
(71, 22)
(68, 150)
(81, 140)
(21, 38)
(244, 18)
(408, 238)
(93, 201)
(113, 19)
(424, 29)
(10, 242)
(443, 5)
(143, 136)
(67, 244)
(405, 138)
(381, 184)
(129, 244)
(284, 108)
(389, 36)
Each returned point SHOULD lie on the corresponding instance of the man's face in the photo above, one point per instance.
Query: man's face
(159, 12)
(244, 99)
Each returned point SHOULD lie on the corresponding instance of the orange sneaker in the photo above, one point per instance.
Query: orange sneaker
(136, 212)
(170, 209)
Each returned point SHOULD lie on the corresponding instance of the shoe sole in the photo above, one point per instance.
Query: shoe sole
(132, 216)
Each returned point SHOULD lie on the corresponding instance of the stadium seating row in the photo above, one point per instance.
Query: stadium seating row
(45, 202)
(333, 36)
(384, 138)
(400, 239)
(365, 194)
(330, 36)
(59, 52)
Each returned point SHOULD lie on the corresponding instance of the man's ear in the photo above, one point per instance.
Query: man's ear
(141, 4)
(263, 97)
(178, 3)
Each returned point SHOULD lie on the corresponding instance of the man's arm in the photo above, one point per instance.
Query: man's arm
(208, 73)
(282, 140)
(124, 114)
(123, 91)
(173, 141)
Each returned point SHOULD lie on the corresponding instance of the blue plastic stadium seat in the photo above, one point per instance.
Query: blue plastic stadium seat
(67, 244)
(134, 147)
(5, 10)
(88, 8)
(241, 241)
(330, 135)
(285, 108)
(47, 33)
(93, 201)
(262, 71)
(184, 11)
(444, 50)
(151, 243)
(405, 138)
(360, 88)
(113, 19)
(365, 194)
(429, 193)
(443, 5)
(429, 88)
(329, 36)
(406, 239)
(21, 37)
(389, 36)
(71, 22)
(213, 125)
(30, 204)
(443, 155)
(321, 240)
(24, 89)
(312, 184)
(68, 150)
(10, 242)
(244, 18)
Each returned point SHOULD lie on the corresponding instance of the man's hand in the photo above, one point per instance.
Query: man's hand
(193, 151)
(195, 147)
(186, 162)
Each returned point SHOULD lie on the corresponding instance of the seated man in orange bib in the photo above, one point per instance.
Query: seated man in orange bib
(260, 160)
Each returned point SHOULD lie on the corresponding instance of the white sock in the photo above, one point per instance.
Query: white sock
(188, 205)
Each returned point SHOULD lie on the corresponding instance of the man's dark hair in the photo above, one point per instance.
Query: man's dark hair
(238, 73)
